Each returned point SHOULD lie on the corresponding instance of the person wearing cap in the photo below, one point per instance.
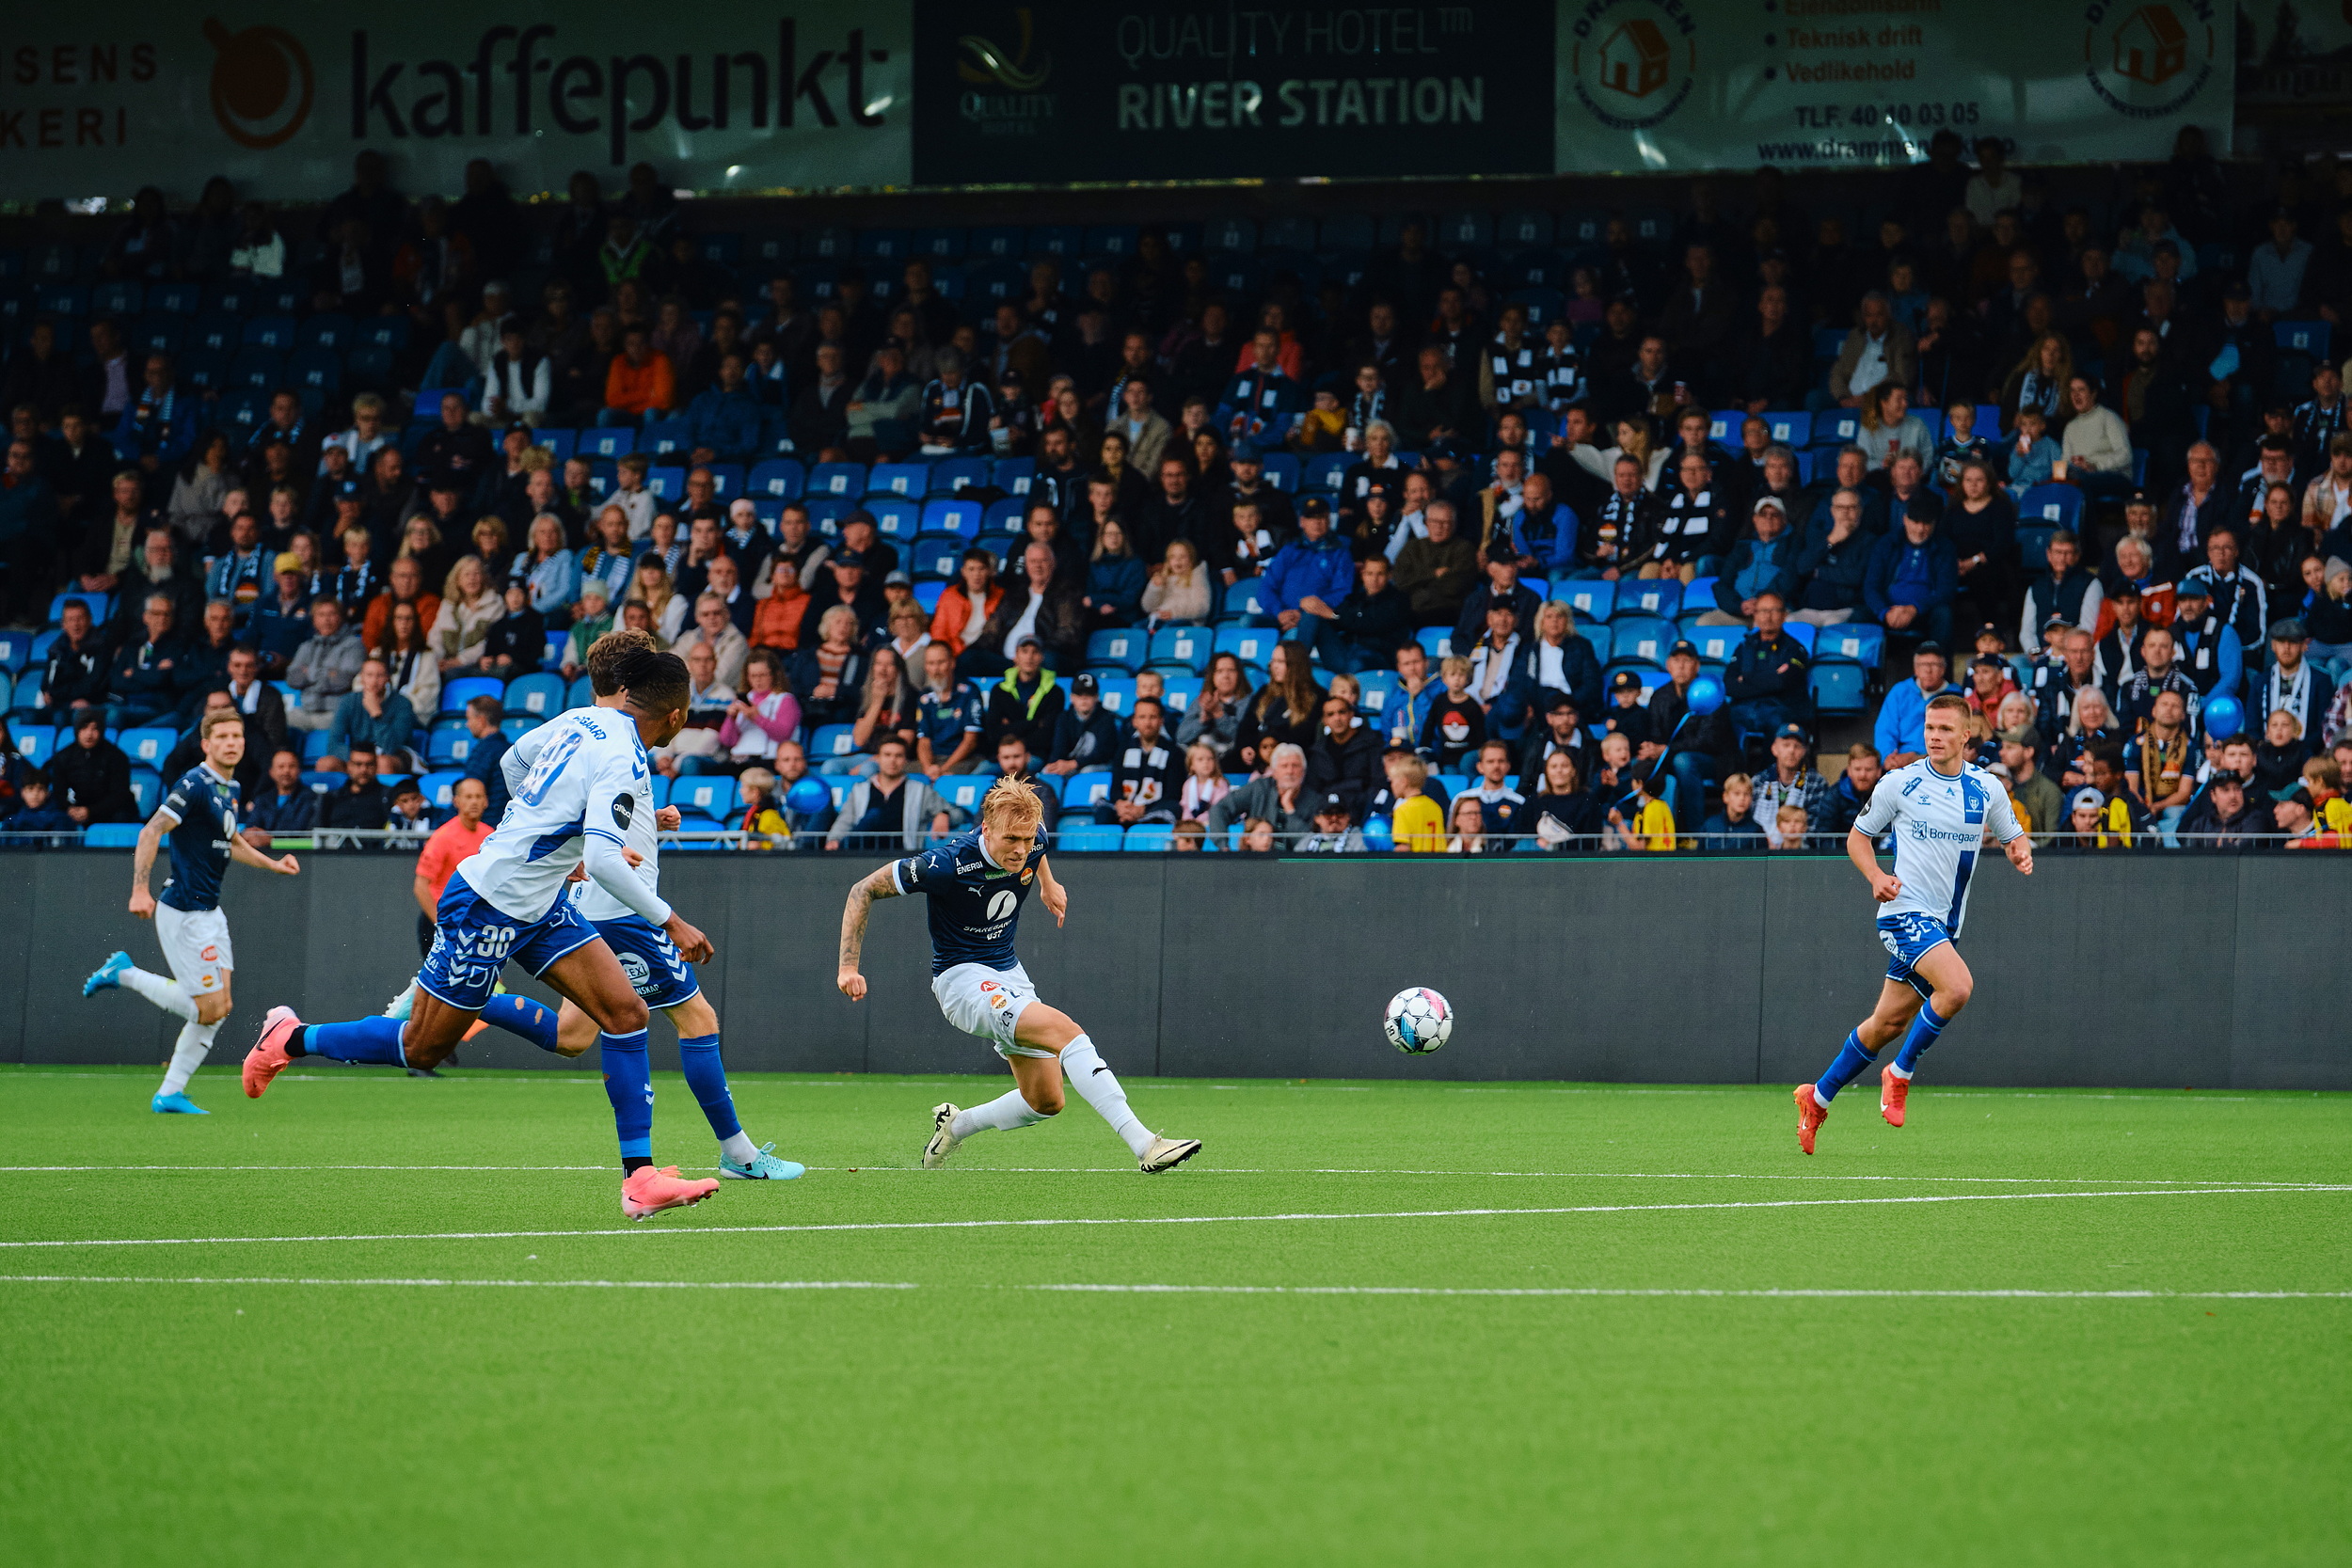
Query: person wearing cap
(1314, 566)
(2087, 823)
(2225, 815)
(2066, 591)
(2038, 794)
(2241, 599)
(2295, 813)
(1791, 780)
(2206, 649)
(2294, 683)
(1764, 563)
(2115, 655)
(1087, 735)
(1247, 464)
(1911, 580)
(1334, 833)
(1903, 715)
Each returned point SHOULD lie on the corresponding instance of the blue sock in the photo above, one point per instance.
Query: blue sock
(1925, 1030)
(520, 1014)
(1851, 1059)
(364, 1039)
(629, 1083)
(707, 1077)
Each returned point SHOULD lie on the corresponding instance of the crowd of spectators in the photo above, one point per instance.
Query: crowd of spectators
(1489, 433)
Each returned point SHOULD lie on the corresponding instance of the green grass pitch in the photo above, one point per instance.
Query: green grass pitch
(1415, 1324)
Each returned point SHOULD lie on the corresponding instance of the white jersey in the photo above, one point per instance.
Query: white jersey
(594, 901)
(587, 781)
(1939, 824)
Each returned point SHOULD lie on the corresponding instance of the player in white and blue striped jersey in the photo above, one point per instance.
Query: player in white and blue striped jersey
(1940, 810)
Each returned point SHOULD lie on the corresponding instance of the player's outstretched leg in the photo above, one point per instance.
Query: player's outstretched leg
(1896, 1001)
(1948, 975)
(740, 1159)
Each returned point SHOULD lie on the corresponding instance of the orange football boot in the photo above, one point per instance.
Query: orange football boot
(1811, 1113)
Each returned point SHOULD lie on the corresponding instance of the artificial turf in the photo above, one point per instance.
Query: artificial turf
(240, 1405)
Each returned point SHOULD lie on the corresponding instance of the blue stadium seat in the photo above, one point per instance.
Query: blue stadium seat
(178, 299)
(1793, 430)
(111, 835)
(1183, 647)
(1283, 471)
(727, 479)
(16, 651)
(35, 743)
(1856, 643)
(1716, 645)
(667, 482)
(950, 515)
(448, 744)
(712, 793)
(927, 594)
(368, 368)
(1117, 692)
(1150, 838)
(582, 694)
(1660, 598)
(2059, 505)
(1001, 518)
(884, 244)
(1804, 632)
(1437, 642)
(560, 443)
(897, 518)
(1000, 241)
(1247, 597)
(1642, 638)
(1085, 838)
(909, 480)
(1839, 687)
(1323, 471)
(1250, 644)
(272, 331)
(99, 605)
(1085, 791)
(539, 696)
(1127, 648)
(257, 368)
(315, 744)
(1541, 304)
(1183, 692)
(780, 477)
(217, 332)
(1592, 599)
(1062, 240)
(327, 330)
(515, 729)
(826, 511)
(389, 332)
(2033, 545)
(155, 335)
(666, 437)
(440, 787)
(1599, 634)
(960, 473)
(315, 370)
(607, 441)
(457, 694)
(661, 791)
(2303, 338)
(837, 479)
(147, 789)
(1014, 475)
(149, 745)
(935, 555)
(832, 740)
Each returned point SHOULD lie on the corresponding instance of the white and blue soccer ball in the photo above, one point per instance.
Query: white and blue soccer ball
(1420, 1021)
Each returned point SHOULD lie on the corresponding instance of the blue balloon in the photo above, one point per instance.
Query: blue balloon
(2224, 717)
(1378, 837)
(808, 796)
(1705, 696)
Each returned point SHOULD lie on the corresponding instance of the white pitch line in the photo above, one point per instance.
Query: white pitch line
(1537, 1291)
(2307, 1185)
(1158, 1219)
(1761, 1295)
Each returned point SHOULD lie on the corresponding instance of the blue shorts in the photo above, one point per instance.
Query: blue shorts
(474, 942)
(659, 975)
(1908, 938)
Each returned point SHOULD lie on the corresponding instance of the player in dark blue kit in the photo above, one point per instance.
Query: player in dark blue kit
(975, 882)
(200, 814)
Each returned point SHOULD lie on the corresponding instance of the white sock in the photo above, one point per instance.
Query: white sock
(188, 1054)
(1007, 1113)
(167, 994)
(1894, 1071)
(1098, 1086)
(739, 1149)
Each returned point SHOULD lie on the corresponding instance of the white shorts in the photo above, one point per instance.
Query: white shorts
(988, 1003)
(196, 946)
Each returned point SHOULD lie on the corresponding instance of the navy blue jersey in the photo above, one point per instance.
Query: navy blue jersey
(203, 809)
(975, 907)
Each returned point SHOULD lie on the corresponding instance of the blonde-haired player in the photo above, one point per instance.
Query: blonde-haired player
(975, 882)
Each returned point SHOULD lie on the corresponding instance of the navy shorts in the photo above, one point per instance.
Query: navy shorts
(474, 942)
(659, 975)
(1908, 938)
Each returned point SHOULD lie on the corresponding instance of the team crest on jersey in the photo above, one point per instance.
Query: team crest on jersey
(624, 807)
(1029, 873)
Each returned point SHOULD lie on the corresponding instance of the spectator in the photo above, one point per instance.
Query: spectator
(2066, 592)
(145, 683)
(1562, 811)
(2295, 683)
(1790, 782)
(1851, 792)
(1204, 785)
(91, 778)
(1147, 776)
(1116, 580)
(1643, 821)
(2223, 818)
(883, 411)
(1216, 716)
(1901, 739)
(1027, 703)
(2209, 647)
(1177, 594)
(263, 708)
(1890, 429)
(1087, 735)
(2097, 448)
(640, 384)
(1831, 568)
(1436, 570)
(2043, 801)
(949, 717)
(2122, 821)
(1313, 570)
(2239, 598)
(469, 607)
(2157, 674)
(2094, 727)
(1468, 825)
(1693, 532)
(1501, 808)
(363, 802)
(1044, 603)
(284, 805)
(1769, 679)
(1345, 757)
(1911, 580)
(1280, 796)
(1765, 564)
(1455, 727)
(1503, 586)
(2160, 764)
(375, 716)
(1736, 827)
(74, 676)
(1878, 350)
(828, 672)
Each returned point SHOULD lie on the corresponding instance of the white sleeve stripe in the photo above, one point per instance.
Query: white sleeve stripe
(896, 881)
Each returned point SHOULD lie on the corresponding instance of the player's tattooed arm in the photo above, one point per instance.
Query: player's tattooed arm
(143, 862)
(882, 883)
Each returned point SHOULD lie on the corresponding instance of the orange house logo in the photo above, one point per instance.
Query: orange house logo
(2151, 46)
(1634, 59)
(263, 85)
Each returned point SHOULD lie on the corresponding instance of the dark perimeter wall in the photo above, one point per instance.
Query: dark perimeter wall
(2144, 970)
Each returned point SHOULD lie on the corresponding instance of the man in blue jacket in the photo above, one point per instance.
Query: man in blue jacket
(1544, 531)
(1764, 565)
(1315, 565)
(726, 417)
(1901, 734)
(1768, 681)
(1911, 581)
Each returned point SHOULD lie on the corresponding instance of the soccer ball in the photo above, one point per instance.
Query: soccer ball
(1419, 1021)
